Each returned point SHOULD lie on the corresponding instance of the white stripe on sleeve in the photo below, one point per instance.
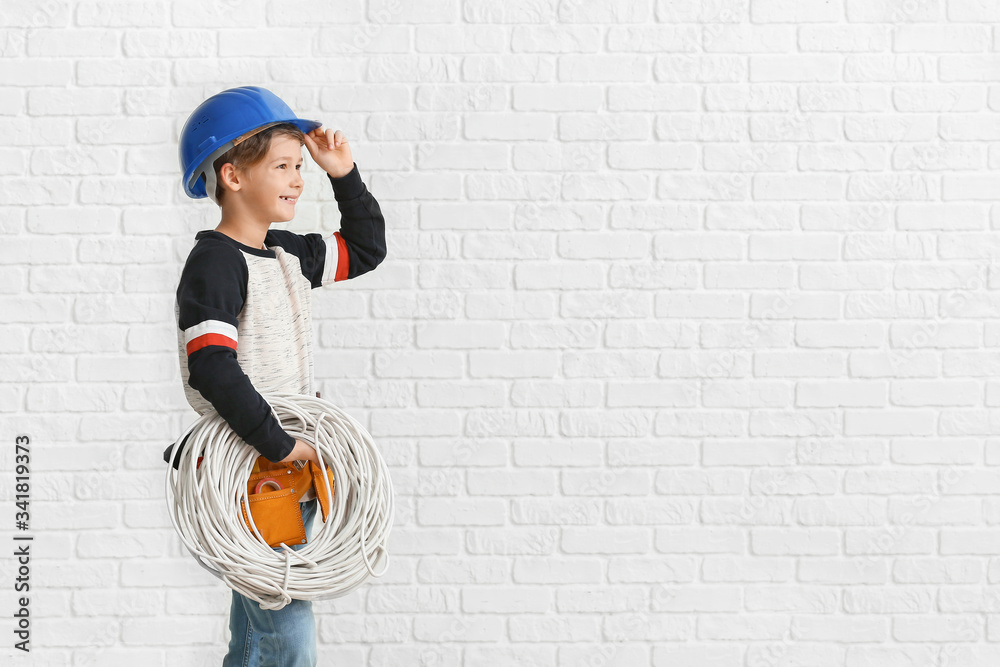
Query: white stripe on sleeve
(210, 326)
(332, 257)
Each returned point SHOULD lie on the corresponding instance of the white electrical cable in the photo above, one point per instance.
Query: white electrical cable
(204, 505)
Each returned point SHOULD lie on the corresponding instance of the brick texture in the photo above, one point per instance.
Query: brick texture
(681, 353)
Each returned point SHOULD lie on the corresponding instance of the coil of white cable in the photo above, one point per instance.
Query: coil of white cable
(204, 506)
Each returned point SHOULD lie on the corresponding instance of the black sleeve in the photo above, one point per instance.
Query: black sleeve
(361, 239)
(309, 248)
(210, 295)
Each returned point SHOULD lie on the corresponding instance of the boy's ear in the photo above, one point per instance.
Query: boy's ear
(228, 175)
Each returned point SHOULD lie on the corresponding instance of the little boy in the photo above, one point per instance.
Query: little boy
(247, 287)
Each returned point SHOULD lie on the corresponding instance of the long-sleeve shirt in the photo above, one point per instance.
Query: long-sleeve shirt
(244, 315)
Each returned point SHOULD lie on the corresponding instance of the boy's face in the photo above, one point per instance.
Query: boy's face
(276, 182)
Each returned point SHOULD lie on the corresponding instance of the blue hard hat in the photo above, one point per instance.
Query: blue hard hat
(223, 121)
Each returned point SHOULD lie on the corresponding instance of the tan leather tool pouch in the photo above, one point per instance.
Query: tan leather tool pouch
(276, 512)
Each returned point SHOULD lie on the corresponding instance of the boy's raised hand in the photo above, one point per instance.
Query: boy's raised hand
(330, 151)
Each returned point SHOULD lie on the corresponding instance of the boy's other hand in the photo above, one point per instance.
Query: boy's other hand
(330, 151)
(302, 451)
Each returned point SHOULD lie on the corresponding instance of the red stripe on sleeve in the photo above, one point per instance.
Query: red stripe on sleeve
(205, 340)
(342, 258)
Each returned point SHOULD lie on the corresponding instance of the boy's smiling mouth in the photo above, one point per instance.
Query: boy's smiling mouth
(290, 200)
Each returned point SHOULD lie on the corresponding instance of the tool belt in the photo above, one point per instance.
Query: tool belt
(275, 490)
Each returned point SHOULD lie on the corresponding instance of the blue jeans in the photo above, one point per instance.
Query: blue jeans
(274, 638)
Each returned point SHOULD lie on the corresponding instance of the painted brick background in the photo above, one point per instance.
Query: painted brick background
(683, 353)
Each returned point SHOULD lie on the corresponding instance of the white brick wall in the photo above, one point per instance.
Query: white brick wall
(681, 355)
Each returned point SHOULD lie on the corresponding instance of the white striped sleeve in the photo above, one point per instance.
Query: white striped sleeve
(209, 332)
(332, 259)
